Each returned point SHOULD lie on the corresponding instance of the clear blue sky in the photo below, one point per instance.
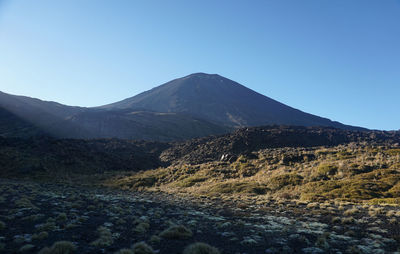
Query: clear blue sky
(338, 59)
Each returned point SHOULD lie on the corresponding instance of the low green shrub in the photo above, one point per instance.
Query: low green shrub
(177, 232)
(61, 247)
(105, 237)
(200, 248)
(142, 248)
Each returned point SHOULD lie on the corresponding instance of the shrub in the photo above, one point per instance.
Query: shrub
(105, 238)
(145, 182)
(326, 170)
(24, 203)
(200, 248)
(61, 217)
(348, 220)
(2, 225)
(345, 155)
(27, 248)
(61, 247)
(124, 251)
(41, 236)
(142, 248)
(281, 181)
(176, 232)
(155, 239)
(142, 227)
(351, 211)
(48, 226)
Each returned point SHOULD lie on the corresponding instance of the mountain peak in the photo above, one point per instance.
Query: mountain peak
(221, 101)
(204, 76)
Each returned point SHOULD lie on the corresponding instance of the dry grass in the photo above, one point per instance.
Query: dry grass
(353, 172)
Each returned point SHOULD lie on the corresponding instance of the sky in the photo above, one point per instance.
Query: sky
(337, 59)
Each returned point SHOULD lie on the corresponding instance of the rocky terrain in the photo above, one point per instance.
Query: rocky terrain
(273, 189)
(252, 139)
(45, 155)
(46, 218)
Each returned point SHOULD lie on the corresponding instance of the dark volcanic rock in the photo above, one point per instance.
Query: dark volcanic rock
(94, 156)
(247, 140)
(47, 155)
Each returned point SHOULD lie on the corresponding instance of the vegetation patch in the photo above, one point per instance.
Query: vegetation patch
(393, 152)
(326, 171)
(177, 232)
(200, 248)
(142, 248)
(380, 201)
(105, 238)
(360, 188)
(238, 187)
(280, 181)
(61, 247)
(190, 181)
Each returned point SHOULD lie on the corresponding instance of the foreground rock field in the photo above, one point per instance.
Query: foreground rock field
(42, 217)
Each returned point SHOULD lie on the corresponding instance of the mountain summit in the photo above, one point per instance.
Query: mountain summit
(222, 101)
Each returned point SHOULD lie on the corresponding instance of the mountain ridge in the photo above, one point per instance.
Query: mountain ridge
(193, 106)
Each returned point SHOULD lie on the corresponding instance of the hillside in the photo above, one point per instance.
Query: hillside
(28, 117)
(248, 140)
(11, 126)
(46, 155)
(141, 125)
(49, 157)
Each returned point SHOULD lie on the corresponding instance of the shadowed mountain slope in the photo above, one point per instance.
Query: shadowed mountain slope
(128, 124)
(12, 126)
(25, 117)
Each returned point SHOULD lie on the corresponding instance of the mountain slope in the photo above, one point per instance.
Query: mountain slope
(128, 124)
(25, 117)
(13, 126)
(223, 101)
(44, 115)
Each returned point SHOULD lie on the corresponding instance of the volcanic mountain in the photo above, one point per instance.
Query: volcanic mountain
(193, 106)
(222, 101)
